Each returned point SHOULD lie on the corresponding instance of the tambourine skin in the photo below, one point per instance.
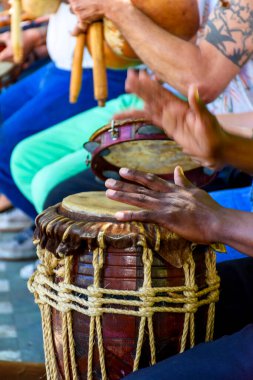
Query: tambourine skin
(130, 131)
(72, 231)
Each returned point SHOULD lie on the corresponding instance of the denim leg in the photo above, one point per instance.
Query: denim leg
(49, 106)
(15, 97)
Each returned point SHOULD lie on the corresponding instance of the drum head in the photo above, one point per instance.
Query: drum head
(94, 204)
(5, 67)
(159, 157)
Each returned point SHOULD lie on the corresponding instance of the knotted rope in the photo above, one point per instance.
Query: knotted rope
(65, 298)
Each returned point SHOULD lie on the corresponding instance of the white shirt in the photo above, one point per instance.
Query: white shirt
(60, 42)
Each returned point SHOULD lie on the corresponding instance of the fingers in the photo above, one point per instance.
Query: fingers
(131, 114)
(194, 99)
(138, 216)
(6, 55)
(151, 181)
(180, 179)
(130, 188)
(141, 84)
(133, 199)
(79, 29)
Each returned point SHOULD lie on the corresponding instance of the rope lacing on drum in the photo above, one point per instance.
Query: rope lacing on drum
(94, 302)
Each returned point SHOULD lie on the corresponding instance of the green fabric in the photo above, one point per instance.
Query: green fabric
(42, 161)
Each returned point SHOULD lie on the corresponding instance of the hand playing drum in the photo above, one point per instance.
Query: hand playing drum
(180, 207)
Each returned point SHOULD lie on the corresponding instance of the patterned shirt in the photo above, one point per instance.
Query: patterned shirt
(238, 95)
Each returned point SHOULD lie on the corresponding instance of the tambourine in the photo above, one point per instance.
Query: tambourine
(136, 144)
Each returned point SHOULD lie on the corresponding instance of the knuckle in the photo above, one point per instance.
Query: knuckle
(142, 198)
(150, 177)
(145, 215)
(141, 190)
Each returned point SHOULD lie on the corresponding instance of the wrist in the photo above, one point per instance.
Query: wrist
(226, 147)
(113, 9)
(220, 225)
(219, 144)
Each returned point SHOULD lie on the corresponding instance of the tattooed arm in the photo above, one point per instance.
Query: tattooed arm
(226, 46)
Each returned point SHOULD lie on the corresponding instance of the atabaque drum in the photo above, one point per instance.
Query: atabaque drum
(136, 144)
(115, 296)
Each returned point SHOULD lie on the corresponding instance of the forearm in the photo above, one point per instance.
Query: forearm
(237, 151)
(236, 230)
(238, 124)
(162, 56)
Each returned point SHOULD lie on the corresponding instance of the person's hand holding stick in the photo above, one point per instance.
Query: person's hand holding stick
(16, 32)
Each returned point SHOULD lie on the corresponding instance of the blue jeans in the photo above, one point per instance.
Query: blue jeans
(238, 199)
(37, 102)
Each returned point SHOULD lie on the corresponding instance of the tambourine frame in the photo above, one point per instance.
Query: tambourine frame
(119, 132)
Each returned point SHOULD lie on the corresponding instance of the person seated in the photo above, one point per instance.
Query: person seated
(36, 103)
(195, 215)
(37, 177)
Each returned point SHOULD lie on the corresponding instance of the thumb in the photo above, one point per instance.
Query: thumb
(196, 104)
(180, 179)
(132, 78)
(79, 29)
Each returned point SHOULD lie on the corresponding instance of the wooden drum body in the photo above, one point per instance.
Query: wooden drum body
(117, 296)
(138, 145)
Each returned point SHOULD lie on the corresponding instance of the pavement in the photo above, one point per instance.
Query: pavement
(20, 322)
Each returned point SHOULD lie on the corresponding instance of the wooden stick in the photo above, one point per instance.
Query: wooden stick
(16, 32)
(99, 68)
(77, 68)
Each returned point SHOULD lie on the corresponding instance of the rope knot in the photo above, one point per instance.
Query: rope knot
(190, 307)
(147, 298)
(95, 301)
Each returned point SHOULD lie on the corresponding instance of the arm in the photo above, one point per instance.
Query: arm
(33, 39)
(186, 210)
(228, 43)
(237, 123)
(191, 125)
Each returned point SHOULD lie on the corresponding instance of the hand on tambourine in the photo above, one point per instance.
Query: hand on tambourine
(180, 207)
(154, 95)
(190, 124)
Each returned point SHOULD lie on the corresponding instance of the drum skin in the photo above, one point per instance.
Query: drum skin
(37, 8)
(181, 18)
(122, 270)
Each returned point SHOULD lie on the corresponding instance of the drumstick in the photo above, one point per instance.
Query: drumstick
(77, 68)
(16, 33)
(99, 68)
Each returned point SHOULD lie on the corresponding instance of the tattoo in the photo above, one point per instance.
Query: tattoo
(230, 30)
